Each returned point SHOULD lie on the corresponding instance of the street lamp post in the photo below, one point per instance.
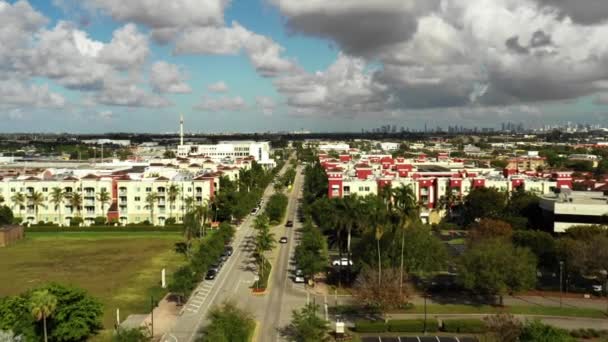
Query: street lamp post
(561, 274)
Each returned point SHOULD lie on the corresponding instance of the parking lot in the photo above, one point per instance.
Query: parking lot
(418, 339)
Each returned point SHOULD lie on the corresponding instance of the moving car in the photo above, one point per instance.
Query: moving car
(283, 239)
(343, 262)
(299, 277)
(211, 274)
(289, 224)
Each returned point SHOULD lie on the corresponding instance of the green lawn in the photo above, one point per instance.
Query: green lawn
(122, 269)
(522, 310)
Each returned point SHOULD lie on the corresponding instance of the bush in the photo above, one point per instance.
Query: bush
(469, 326)
(100, 220)
(146, 223)
(6, 215)
(76, 221)
(370, 326)
(413, 325)
(170, 220)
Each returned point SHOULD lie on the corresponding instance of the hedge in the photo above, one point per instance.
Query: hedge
(370, 326)
(101, 229)
(413, 325)
(469, 326)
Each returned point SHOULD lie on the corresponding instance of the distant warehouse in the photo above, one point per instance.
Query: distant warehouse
(564, 209)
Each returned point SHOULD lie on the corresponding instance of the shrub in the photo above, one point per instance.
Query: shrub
(413, 325)
(170, 220)
(469, 326)
(370, 326)
(146, 223)
(76, 221)
(100, 220)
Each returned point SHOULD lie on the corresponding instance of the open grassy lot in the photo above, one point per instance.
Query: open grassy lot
(121, 269)
(521, 310)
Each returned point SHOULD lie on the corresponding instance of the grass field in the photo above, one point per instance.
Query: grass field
(121, 269)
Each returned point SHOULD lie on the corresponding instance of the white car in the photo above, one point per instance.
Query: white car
(343, 262)
(255, 211)
(299, 277)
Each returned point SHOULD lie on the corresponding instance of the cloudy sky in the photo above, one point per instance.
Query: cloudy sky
(321, 65)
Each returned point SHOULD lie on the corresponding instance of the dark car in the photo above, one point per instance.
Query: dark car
(228, 250)
(211, 274)
(216, 267)
(289, 224)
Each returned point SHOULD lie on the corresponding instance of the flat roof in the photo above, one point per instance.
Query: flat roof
(579, 197)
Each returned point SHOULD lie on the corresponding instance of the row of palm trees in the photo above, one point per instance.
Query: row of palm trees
(57, 197)
(393, 208)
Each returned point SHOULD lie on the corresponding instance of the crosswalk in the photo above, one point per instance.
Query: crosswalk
(198, 297)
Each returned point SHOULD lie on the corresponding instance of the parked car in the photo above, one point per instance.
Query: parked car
(211, 274)
(228, 250)
(299, 276)
(255, 211)
(343, 262)
(216, 267)
(283, 239)
(289, 224)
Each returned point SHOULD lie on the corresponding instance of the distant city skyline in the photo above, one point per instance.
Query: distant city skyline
(94, 66)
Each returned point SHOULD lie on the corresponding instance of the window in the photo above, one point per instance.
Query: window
(367, 188)
(137, 198)
(189, 189)
(137, 189)
(12, 189)
(148, 189)
(45, 189)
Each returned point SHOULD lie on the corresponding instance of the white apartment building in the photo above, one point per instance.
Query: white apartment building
(229, 150)
(127, 190)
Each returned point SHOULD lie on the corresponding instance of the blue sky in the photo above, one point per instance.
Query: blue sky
(110, 65)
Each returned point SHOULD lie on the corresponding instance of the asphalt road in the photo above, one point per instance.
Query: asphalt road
(284, 296)
(237, 276)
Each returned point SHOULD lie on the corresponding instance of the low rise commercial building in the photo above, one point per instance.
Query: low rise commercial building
(565, 209)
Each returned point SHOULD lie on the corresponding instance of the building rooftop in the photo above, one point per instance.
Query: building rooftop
(578, 197)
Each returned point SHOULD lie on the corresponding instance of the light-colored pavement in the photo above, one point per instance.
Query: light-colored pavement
(232, 283)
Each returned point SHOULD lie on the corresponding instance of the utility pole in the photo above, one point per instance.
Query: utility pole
(152, 315)
(561, 275)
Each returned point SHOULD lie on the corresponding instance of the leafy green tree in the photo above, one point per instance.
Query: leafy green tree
(182, 282)
(103, 197)
(168, 154)
(307, 326)
(495, 267)
(542, 244)
(483, 203)
(16, 316)
(191, 225)
(42, 306)
(311, 253)
(6, 215)
(228, 323)
(276, 207)
(535, 331)
(424, 253)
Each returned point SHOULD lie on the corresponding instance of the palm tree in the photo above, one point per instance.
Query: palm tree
(75, 200)
(103, 197)
(379, 233)
(19, 200)
(264, 240)
(189, 202)
(151, 199)
(408, 212)
(172, 194)
(37, 200)
(57, 197)
(448, 201)
(42, 305)
(202, 213)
